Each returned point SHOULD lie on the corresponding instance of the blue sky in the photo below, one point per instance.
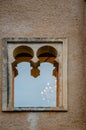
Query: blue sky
(35, 92)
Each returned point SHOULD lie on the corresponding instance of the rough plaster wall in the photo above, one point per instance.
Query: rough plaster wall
(48, 18)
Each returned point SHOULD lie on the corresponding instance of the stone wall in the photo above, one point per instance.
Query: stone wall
(49, 18)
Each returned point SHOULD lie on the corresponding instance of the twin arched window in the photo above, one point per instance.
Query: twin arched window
(35, 77)
(34, 74)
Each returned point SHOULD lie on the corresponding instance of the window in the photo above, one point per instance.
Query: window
(34, 74)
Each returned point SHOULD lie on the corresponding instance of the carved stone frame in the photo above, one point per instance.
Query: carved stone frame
(6, 84)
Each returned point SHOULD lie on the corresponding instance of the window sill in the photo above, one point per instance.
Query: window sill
(36, 109)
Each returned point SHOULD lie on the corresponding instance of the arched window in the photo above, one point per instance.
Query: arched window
(34, 74)
(35, 83)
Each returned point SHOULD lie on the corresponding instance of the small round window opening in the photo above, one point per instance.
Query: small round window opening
(35, 84)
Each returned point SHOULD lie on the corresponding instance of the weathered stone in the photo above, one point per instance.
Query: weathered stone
(49, 18)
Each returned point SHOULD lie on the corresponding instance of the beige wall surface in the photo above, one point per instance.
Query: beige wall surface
(49, 18)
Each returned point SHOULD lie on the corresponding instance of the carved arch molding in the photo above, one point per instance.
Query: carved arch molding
(43, 54)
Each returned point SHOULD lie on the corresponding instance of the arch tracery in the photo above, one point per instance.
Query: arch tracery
(44, 54)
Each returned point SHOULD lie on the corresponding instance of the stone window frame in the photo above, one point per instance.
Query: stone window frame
(5, 75)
